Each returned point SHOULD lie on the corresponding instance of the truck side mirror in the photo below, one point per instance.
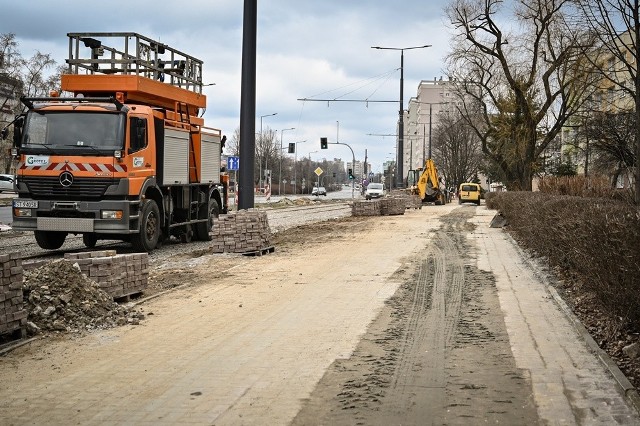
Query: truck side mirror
(18, 124)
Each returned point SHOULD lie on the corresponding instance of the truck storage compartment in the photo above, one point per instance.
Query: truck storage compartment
(210, 158)
(174, 157)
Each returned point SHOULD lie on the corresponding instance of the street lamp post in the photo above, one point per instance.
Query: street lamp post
(312, 152)
(400, 149)
(262, 143)
(280, 171)
(295, 169)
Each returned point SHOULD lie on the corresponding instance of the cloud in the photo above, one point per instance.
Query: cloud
(304, 48)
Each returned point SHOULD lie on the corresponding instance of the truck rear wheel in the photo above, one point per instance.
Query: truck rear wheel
(50, 240)
(147, 239)
(211, 213)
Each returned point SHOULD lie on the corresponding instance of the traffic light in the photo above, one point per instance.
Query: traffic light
(324, 144)
(292, 147)
(350, 172)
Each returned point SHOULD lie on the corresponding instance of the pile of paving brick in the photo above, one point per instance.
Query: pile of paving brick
(393, 205)
(13, 315)
(60, 298)
(119, 275)
(366, 208)
(244, 231)
(413, 201)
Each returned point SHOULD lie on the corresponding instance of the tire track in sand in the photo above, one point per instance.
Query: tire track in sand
(419, 380)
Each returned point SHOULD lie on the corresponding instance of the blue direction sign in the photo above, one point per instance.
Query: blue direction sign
(370, 175)
(233, 163)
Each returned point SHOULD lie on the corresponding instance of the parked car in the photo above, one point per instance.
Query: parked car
(374, 190)
(469, 192)
(319, 190)
(6, 183)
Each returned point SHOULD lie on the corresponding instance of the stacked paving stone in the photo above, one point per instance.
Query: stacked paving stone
(393, 206)
(413, 202)
(119, 275)
(244, 231)
(13, 316)
(366, 208)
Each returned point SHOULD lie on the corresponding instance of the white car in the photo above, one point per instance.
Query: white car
(319, 190)
(6, 183)
(374, 190)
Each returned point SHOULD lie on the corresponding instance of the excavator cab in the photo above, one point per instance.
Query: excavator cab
(412, 178)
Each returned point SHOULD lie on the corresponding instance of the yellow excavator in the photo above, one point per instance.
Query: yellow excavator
(426, 184)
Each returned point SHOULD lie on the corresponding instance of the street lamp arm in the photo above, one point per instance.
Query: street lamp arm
(401, 48)
(353, 164)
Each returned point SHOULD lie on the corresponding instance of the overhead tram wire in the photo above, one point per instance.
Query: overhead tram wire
(367, 100)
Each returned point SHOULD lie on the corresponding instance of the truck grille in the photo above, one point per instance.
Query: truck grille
(49, 188)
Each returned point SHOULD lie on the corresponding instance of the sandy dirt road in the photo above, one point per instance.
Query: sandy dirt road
(426, 318)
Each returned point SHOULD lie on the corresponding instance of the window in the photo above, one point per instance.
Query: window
(66, 130)
(137, 134)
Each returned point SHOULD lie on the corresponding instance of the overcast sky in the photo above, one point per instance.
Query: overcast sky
(306, 48)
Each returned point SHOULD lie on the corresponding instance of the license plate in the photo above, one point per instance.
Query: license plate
(25, 204)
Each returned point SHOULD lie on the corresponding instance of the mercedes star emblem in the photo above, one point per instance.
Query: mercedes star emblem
(66, 179)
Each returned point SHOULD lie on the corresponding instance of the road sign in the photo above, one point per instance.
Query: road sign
(233, 163)
(318, 171)
(370, 175)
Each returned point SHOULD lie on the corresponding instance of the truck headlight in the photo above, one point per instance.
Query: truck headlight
(111, 214)
(18, 212)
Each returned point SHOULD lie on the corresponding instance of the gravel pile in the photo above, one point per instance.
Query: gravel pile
(58, 297)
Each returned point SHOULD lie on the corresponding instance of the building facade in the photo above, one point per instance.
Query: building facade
(421, 120)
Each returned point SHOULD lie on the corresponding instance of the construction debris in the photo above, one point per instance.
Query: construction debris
(60, 298)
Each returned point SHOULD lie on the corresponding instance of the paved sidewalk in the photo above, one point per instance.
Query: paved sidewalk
(246, 348)
(570, 383)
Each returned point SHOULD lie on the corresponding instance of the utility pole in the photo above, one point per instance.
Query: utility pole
(248, 105)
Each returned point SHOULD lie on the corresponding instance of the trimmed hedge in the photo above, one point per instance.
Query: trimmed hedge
(596, 241)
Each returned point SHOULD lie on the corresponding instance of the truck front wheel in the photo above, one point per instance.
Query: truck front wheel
(147, 239)
(50, 240)
(90, 239)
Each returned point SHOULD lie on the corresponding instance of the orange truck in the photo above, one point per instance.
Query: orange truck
(127, 155)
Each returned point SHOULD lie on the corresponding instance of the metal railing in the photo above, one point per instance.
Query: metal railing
(133, 54)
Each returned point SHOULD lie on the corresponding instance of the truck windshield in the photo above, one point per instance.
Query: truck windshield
(93, 132)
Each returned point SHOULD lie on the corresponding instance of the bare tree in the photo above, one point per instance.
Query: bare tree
(22, 77)
(616, 24)
(266, 150)
(519, 79)
(457, 149)
(610, 135)
(233, 145)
